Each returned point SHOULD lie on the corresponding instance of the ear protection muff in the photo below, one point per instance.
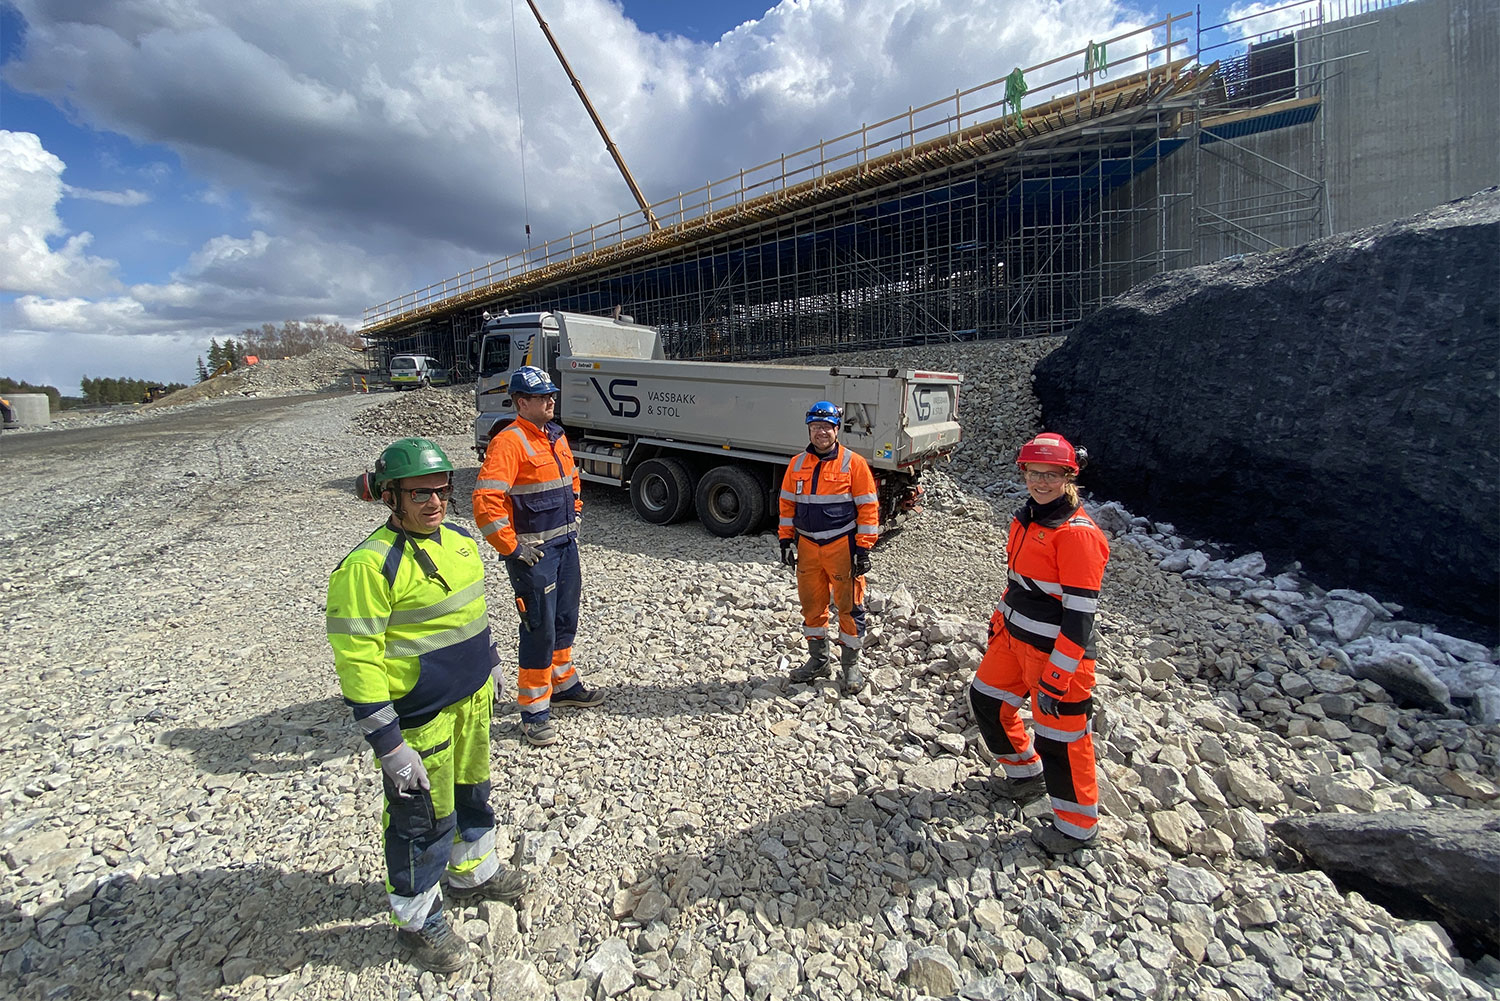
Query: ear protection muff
(1082, 455)
(364, 487)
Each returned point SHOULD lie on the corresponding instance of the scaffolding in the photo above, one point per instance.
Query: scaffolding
(1272, 67)
(1011, 209)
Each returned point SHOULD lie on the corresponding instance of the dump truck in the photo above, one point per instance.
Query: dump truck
(710, 439)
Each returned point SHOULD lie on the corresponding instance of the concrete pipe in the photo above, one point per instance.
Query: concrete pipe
(28, 409)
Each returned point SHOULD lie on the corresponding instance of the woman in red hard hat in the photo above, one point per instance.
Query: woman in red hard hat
(1042, 646)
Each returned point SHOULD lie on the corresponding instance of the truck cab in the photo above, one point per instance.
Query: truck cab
(508, 342)
(512, 340)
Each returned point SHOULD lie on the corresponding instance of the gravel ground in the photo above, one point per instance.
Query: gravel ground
(186, 810)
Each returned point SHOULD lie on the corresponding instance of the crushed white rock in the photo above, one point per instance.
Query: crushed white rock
(186, 809)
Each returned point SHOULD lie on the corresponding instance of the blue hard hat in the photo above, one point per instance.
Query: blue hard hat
(532, 381)
(824, 411)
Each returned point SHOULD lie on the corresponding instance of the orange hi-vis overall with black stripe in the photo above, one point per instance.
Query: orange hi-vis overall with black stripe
(830, 505)
(1042, 639)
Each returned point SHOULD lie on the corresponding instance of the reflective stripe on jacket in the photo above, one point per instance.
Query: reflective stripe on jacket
(405, 645)
(1056, 569)
(832, 498)
(528, 489)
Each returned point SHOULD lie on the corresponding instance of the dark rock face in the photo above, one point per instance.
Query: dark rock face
(1448, 860)
(1337, 403)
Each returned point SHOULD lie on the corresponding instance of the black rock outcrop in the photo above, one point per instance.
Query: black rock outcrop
(1443, 862)
(1337, 403)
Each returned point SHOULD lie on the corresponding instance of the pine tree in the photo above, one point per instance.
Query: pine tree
(215, 355)
(202, 372)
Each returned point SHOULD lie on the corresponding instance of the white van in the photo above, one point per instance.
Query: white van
(412, 371)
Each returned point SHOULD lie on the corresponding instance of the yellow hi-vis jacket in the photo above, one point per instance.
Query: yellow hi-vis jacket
(407, 643)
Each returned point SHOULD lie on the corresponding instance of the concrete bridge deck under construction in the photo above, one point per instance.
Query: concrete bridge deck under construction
(1012, 209)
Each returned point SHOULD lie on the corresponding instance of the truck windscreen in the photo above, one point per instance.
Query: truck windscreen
(496, 358)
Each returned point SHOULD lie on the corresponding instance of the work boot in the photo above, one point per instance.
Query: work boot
(817, 662)
(506, 886)
(539, 733)
(433, 946)
(854, 679)
(1019, 790)
(579, 696)
(1055, 842)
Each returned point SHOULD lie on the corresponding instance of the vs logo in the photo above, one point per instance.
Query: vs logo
(931, 404)
(616, 401)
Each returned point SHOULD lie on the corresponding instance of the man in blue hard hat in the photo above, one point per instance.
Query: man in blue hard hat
(526, 504)
(830, 520)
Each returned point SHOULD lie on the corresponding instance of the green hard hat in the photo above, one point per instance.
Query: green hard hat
(410, 457)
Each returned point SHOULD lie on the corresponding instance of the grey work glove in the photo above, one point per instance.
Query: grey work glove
(526, 553)
(861, 561)
(497, 674)
(404, 768)
(789, 553)
(1047, 703)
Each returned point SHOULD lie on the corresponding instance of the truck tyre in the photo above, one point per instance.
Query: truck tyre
(731, 501)
(661, 491)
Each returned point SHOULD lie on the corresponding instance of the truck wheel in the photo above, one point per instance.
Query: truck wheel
(661, 491)
(730, 501)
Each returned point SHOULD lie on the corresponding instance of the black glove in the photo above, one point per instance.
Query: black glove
(789, 552)
(526, 553)
(861, 561)
(1047, 703)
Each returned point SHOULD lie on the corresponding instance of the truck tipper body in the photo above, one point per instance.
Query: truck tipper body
(711, 438)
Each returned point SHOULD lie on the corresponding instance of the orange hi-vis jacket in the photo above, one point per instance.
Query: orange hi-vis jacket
(1056, 569)
(827, 499)
(528, 489)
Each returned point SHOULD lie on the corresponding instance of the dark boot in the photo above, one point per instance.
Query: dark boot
(1055, 842)
(817, 662)
(1019, 790)
(433, 946)
(506, 886)
(854, 679)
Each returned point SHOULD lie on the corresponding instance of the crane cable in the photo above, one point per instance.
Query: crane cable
(520, 124)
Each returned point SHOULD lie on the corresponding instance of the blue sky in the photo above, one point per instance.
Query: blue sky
(175, 172)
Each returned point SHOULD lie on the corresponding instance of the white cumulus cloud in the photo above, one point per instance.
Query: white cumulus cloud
(30, 187)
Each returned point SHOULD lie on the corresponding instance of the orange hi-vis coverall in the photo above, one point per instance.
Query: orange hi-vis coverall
(1042, 638)
(830, 505)
(528, 492)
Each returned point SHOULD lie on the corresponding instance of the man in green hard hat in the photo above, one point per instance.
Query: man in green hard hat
(411, 642)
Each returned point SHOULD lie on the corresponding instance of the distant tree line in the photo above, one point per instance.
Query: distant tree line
(55, 399)
(101, 392)
(292, 338)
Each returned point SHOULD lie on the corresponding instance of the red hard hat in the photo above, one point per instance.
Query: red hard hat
(1049, 448)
